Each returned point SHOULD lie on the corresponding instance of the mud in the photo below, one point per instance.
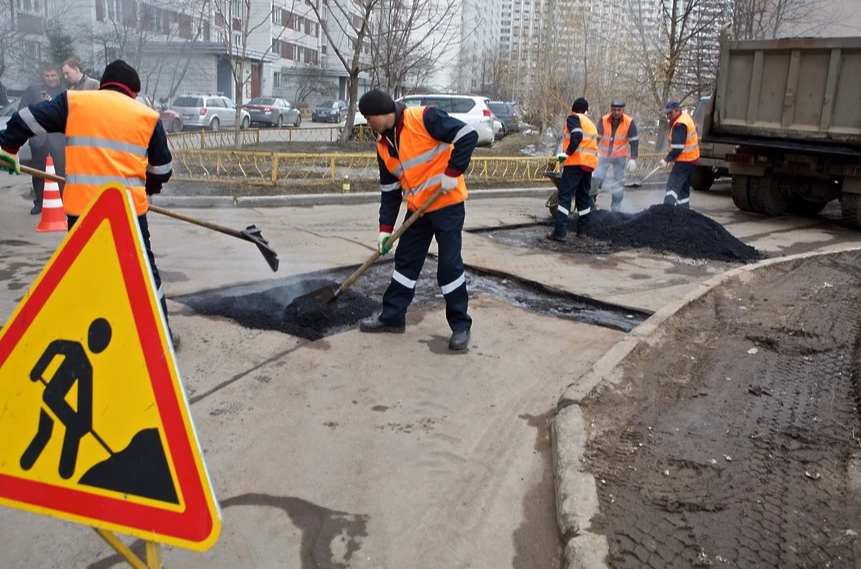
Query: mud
(735, 440)
(275, 304)
(662, 228)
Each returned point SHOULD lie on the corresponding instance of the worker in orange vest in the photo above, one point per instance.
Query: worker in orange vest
(419, 150)
(110, 137)
(618, 147)
(683, 155)
(579, 158)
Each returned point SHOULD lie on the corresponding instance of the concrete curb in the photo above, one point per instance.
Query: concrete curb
(306, 200)
(576, 490)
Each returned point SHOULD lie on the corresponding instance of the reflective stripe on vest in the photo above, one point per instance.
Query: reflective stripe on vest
(691, 148)
(587, 153)
(421, 162)
(107, 136)
(620, 143)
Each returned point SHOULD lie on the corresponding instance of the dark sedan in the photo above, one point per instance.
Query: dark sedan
(171, 120)
(272, 112)
(330, 111)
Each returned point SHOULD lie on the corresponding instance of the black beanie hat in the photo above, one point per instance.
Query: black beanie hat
(581, 105)
(119, 73)
(376, 102)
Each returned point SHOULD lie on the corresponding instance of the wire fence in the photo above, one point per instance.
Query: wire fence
(362, 170)
(226, 139)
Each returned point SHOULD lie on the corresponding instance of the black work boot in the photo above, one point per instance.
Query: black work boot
(459, 340)
(36, 209)
(553, 236)
(373, 325)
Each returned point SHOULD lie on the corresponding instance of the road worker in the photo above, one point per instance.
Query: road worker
(579, 158)
(683, 155)
(618, 148)
(420, 149)
(110, 137)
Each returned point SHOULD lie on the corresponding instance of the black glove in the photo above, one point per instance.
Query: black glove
(152, 187)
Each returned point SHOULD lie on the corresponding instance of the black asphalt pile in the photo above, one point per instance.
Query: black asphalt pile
(277, 308)
(670, 229)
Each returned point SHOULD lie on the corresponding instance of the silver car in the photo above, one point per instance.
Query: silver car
(330, 111)
(272, 111)
(24, 153)
(209, 111)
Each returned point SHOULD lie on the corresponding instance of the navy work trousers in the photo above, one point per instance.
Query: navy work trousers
(679, 185)
(445, 225)
(576, 183)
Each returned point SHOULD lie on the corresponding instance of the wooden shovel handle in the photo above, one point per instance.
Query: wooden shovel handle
(390, 241)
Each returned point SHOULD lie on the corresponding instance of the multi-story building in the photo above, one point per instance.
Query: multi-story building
(186, 45)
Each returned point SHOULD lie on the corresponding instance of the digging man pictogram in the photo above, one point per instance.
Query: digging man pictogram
(78, 421)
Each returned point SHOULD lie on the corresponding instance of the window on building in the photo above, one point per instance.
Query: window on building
(276, 80)
(308, 26)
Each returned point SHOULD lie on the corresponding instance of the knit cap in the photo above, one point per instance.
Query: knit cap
(376, 102)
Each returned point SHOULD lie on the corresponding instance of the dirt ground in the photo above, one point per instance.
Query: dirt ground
(735, 440)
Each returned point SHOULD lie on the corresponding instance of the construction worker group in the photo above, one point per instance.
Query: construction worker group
(589, 152)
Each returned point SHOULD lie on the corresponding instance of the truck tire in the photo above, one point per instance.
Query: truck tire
(801, 206)
(851, 206)
(741, 192)
(764, 197)
(702, 178)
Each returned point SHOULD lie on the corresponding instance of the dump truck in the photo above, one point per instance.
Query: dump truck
(712, 163)
(792, 110)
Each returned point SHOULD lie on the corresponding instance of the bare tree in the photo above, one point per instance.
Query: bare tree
(238, 20)
(771, 19)
(310, 81)
(352, 19)
(408, 39)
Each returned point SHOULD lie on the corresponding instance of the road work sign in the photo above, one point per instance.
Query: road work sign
(94, 422)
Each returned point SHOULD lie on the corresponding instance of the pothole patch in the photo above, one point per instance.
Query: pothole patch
(269, 305)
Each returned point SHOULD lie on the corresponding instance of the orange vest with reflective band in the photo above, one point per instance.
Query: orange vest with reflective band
(691, 150)
(421, 163)
(621, 147)
(587, 153)
(107, 136)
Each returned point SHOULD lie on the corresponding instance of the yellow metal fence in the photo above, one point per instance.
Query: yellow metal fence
(280, 169)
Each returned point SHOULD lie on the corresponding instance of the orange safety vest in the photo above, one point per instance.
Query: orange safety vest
(620, 145)
(421, 163)
(107, 136)
(587, 153)
(691, 149)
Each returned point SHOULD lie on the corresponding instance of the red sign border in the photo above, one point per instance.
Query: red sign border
(195, 523)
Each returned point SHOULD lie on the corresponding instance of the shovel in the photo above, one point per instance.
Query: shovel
(646, 177)
(327, 295)
(251, 233)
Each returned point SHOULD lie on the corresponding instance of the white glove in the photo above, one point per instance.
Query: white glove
(381, 243)
(632, 165)
(666, 165)
(561, 157)
(448, 183)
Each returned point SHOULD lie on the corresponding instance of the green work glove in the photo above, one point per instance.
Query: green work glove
(9, 162)
(381, 243)
(561, 157)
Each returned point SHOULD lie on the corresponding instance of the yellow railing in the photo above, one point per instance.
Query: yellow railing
(279, 169)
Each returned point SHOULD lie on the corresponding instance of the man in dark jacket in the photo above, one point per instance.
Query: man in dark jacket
(419, 150)
(44, 145)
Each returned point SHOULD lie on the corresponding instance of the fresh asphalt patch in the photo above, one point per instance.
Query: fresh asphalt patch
(271, 304)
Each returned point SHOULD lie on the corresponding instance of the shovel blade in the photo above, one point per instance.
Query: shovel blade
(252, 233)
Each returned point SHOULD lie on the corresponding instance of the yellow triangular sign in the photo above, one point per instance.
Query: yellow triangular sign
(96, 427)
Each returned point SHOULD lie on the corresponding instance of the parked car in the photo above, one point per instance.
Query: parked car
(509, 114)
(209, 112)
(470, 109)
(24, 153)
(330, 111)
(498, 128)
(171, 120)
(272, 111)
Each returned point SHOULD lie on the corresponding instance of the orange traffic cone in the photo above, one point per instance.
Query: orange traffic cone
(53, 218)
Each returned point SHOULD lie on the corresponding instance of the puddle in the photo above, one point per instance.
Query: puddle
(268, 304)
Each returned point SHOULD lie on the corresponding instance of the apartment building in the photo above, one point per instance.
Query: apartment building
(181, 46)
